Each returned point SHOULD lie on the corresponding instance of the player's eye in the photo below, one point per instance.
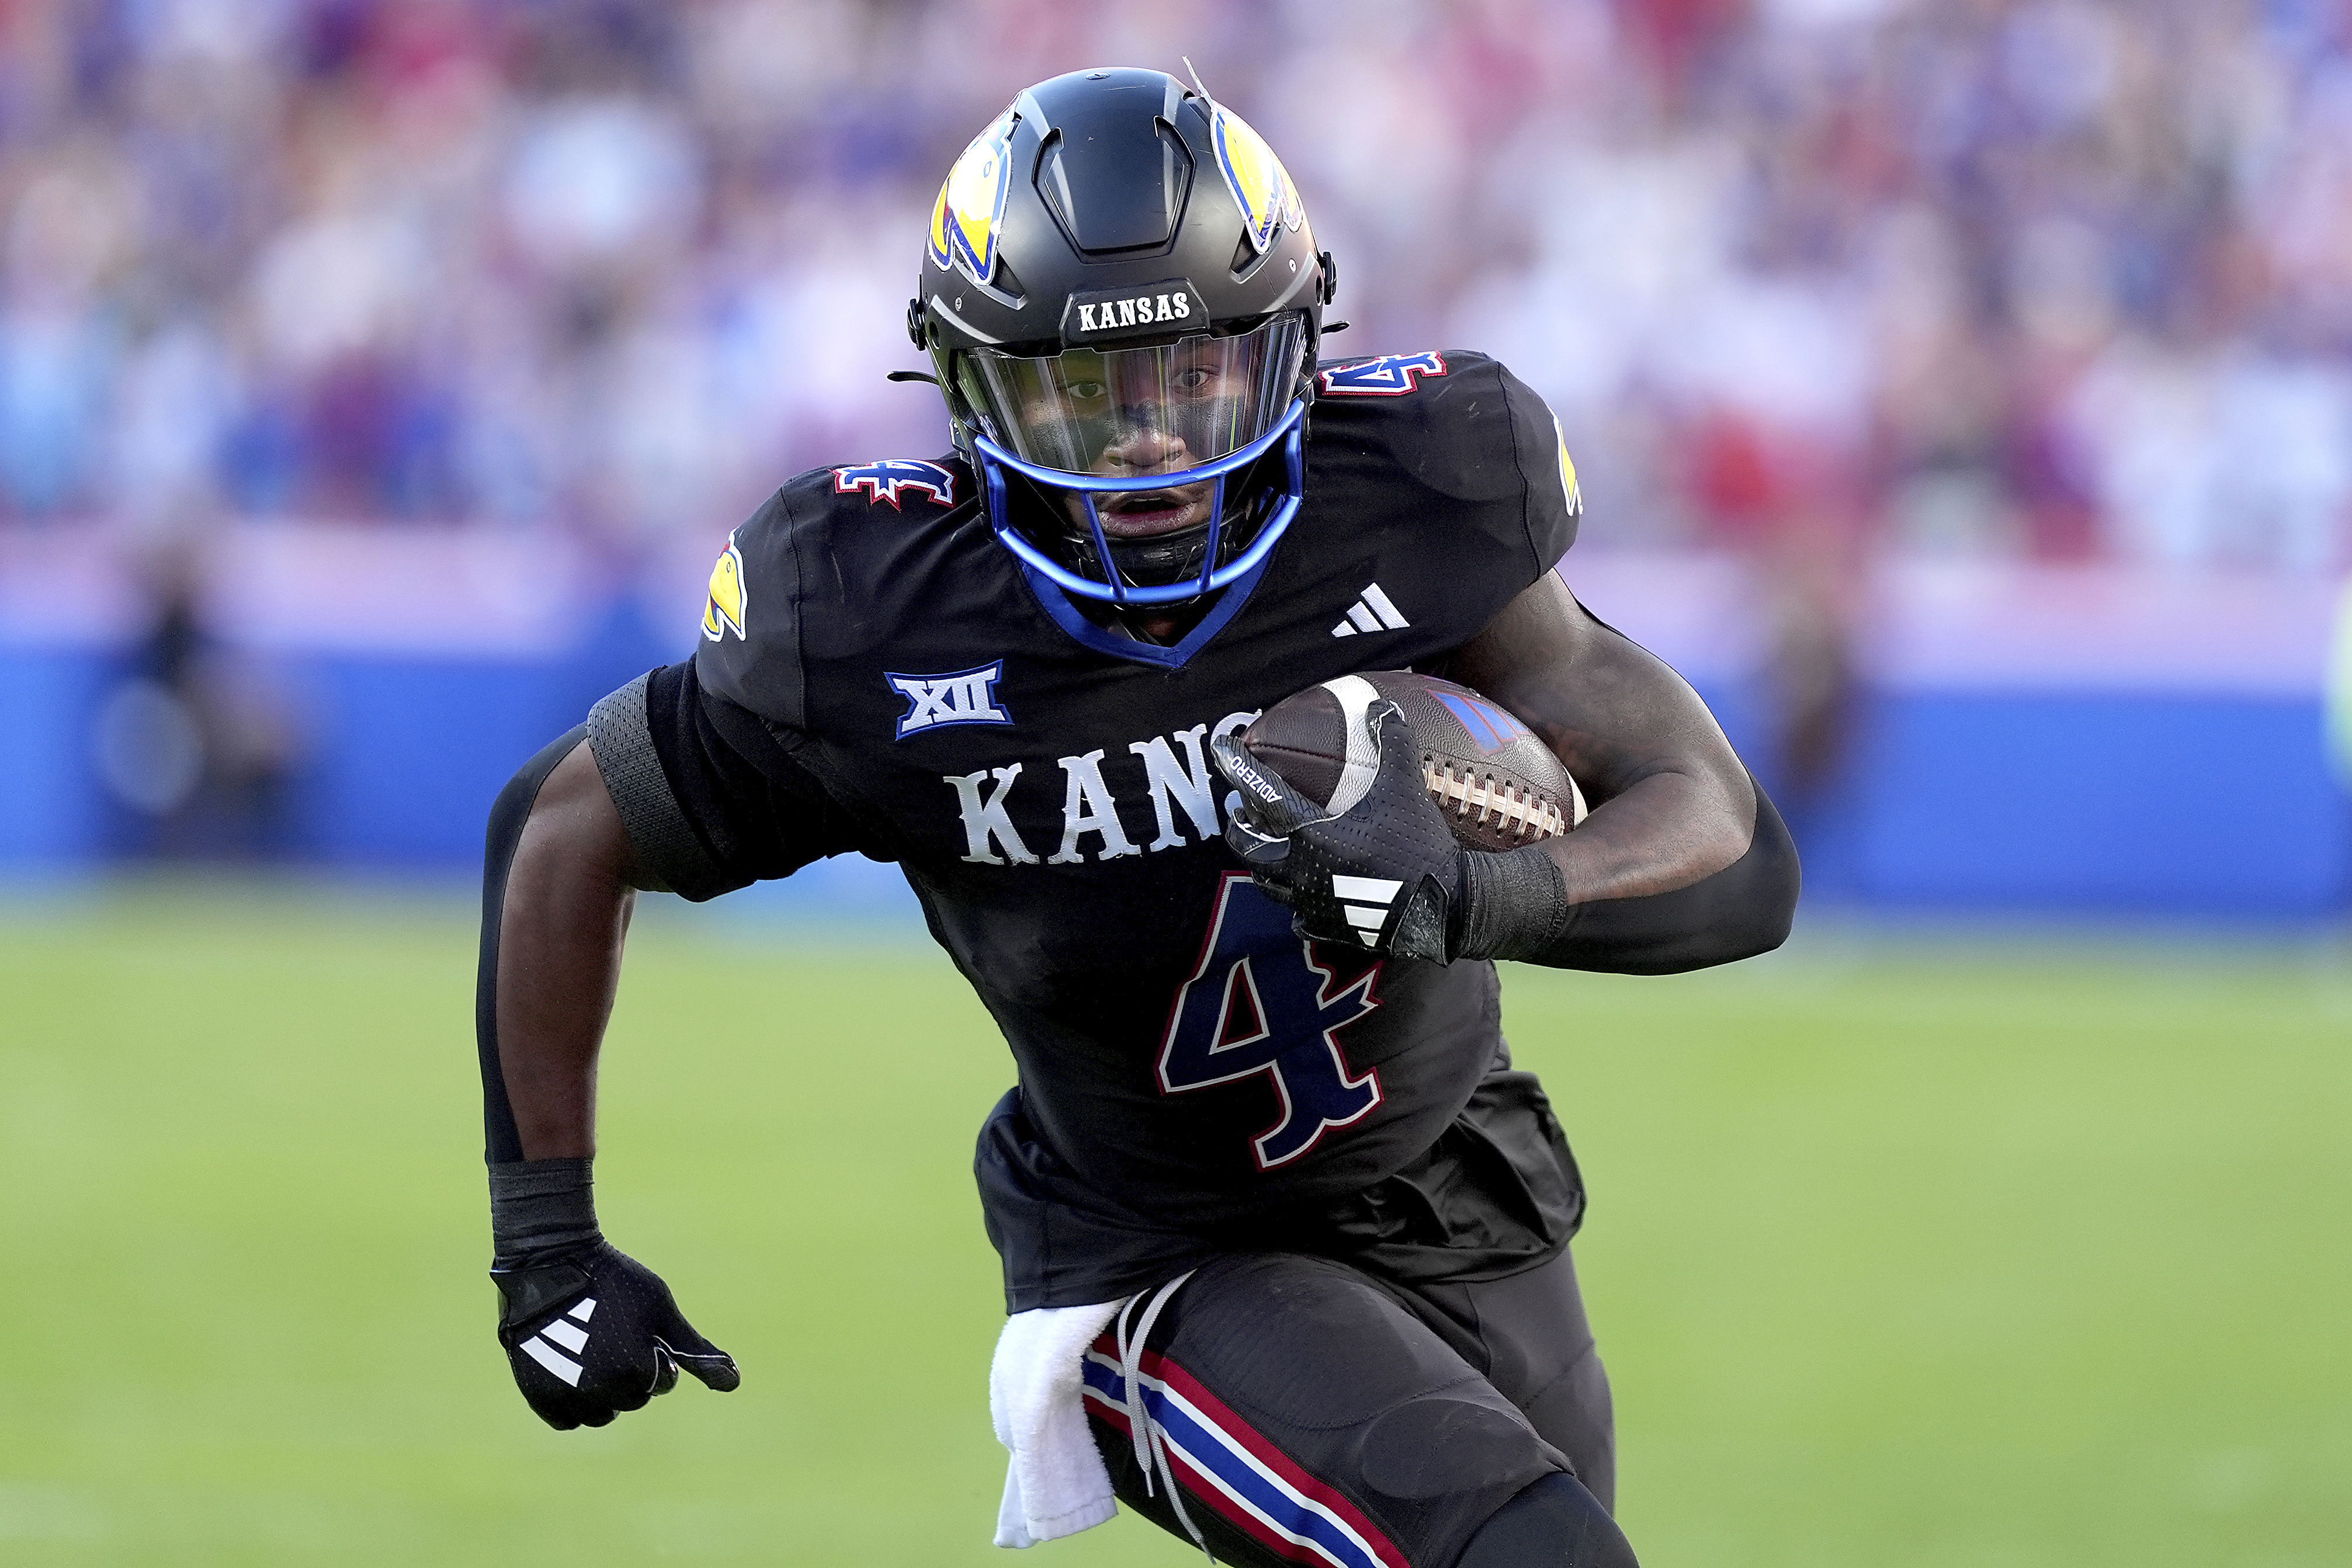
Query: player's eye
(1194, 379)
(1087, 391)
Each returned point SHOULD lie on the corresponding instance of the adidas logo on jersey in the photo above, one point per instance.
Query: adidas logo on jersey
(566, 1333)
(1366, 901)
(1372, 612)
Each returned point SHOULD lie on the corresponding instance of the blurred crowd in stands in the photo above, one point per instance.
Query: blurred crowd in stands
(2046, 278)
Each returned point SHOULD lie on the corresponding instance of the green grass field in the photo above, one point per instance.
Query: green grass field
(1904, 1250)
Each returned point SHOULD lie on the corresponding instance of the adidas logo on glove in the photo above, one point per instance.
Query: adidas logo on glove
(1366, 901)
(564, 1333)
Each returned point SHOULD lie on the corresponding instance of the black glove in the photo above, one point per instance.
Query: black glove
(589, 1331)
(1386, 872)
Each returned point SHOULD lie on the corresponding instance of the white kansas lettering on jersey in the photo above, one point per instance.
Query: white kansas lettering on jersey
(1179, 785)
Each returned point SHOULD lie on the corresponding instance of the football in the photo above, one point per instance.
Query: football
(1498, 785)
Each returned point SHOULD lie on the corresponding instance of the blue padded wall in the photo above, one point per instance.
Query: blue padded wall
(52, 814)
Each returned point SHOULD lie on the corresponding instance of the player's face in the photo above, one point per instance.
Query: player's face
(1139, 415)
(1132, 413)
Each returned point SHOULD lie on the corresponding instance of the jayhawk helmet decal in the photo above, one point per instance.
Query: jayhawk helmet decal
(1261, 186)
(723, 611)
(969, 210)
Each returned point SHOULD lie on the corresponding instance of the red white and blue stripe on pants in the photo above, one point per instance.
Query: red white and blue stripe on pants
(1224, 1461)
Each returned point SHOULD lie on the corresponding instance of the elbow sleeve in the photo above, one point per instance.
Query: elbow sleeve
(621, 739)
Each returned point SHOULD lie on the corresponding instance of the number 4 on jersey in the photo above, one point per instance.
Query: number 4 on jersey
(1258, 1003)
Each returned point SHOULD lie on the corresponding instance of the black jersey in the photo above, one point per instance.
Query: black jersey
(904, 688)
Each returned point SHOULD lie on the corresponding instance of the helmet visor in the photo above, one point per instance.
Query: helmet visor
(1130, 412)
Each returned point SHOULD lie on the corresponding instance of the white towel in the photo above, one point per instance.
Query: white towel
(1056, 1484)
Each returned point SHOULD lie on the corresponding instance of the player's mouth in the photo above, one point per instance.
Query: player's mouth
(1142, 514)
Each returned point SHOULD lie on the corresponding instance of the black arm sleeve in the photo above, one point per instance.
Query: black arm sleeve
(501, 1143)
(1738, 912)
(711, 796)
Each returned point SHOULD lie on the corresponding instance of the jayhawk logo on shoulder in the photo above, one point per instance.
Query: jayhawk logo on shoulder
(1391, 375)
(1567, 469)
(883, 480)
(723, 611)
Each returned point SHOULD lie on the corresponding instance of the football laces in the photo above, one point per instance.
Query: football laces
(1473, 795)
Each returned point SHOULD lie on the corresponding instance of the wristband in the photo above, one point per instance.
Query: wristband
(540, 1211)
(1513, 904)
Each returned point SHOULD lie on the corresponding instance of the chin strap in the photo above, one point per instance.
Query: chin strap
(1171, 557)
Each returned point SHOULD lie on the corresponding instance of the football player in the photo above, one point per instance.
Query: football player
(1285, 1167)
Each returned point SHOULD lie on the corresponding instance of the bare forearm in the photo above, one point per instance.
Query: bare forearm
(1666, 831)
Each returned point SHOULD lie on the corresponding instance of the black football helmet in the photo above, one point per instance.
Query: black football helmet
(1122, 298)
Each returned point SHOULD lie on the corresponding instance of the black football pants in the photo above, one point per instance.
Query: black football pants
(1314, 1414)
